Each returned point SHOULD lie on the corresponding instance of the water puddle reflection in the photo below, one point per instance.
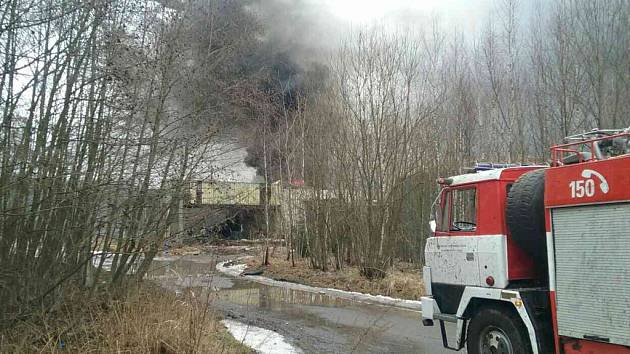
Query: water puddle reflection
(275, 298)
(200, 274)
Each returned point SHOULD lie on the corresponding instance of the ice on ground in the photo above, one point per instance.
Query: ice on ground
(261, 340)
(233, 270)
(108, 258)
(107, 262)
(236, 270)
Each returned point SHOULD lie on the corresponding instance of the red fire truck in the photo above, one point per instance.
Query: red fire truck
(535, 259)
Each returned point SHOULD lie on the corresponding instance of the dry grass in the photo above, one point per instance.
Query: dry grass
(403, 281)
(184, 251)
(145, 320)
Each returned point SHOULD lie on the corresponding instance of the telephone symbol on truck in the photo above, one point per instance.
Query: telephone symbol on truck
(586, 187)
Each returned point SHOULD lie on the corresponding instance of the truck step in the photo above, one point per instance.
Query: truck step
(445, 317)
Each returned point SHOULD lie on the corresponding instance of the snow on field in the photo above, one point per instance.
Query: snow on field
(236, 270)
(107, 262)
(261, 340)
(108, 259)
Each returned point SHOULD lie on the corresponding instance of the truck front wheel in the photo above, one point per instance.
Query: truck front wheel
(497, 330)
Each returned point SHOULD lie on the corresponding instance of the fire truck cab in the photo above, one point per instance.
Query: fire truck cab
(535, 259)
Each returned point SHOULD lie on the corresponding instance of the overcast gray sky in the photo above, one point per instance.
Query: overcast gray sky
(465, 13)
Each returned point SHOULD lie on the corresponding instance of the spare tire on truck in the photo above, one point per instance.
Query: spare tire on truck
(526, 215)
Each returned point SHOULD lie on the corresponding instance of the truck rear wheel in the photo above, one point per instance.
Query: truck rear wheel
(497, 330)
(525, 214)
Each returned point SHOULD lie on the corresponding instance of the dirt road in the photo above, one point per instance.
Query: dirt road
(313, 322)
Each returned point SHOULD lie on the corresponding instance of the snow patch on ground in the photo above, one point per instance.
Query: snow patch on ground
(166, 258)
(236, 270)
(107, 260)
(261, 340)
(233, 270)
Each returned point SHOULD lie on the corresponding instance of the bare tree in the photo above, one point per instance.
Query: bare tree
(106, 112)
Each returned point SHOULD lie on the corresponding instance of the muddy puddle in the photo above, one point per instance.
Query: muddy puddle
(200, 273)
(312, 321)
